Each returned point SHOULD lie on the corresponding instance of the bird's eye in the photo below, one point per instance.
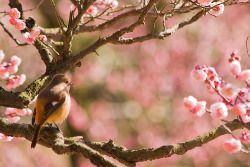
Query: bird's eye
(66, 82)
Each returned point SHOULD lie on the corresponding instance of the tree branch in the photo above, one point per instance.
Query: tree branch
(52, 138)
(11, 36)
(114, 150)
(95, 151)
(160, 35)
(73, 22)
(23, 99)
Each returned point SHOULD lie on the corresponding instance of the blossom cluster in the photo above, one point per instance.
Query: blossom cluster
(234, 145)
(20, 25)
(8, 69)
(14, 19)
(217, 7)
(12, 81)
(101, 5)
(233, 99)
(13, 115)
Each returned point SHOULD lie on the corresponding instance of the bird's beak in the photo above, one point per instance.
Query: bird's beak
(71, 83)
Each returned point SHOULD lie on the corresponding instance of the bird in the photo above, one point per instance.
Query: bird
(52, 104)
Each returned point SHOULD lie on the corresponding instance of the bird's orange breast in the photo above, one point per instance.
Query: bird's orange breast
(61, 113)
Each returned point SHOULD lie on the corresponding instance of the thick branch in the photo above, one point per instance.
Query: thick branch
(72, 61)
(114, 150)
(22, 99)
(51, 138)
(51, 32)
(45, 54)
(73, 22)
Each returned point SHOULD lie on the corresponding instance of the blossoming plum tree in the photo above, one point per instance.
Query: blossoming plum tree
(235, 99)
(135, 108)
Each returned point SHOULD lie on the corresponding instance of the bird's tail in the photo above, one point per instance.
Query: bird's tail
(35, 137)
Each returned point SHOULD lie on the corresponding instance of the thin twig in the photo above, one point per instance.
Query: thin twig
(57, 15)
(57, 43)
(11, 36)
(231, 133)
(247, 47)
(217, 91)
(97, 16)
(37, 6)
(48, 45)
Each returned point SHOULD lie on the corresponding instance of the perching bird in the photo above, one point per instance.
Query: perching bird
(52, 104)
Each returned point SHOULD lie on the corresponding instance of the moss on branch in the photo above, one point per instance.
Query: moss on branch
(95, 151)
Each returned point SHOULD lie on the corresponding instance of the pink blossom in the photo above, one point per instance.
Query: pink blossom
(21, 112)
(15, 81)
(98, 1)
(3, 72)
(15, 61)
(217, 9)
(229, 91)
(24, 111)
(200, 108)
(205, 2)
(244, 94)
(13, 21)
(27, 111)
(22, 79)
(190, 102)
(12, 69)
(10, 111)
(35, 32)
(42, 38)
(239, 109)
(113, 3)
(234, 52)
(214, 82)
(232, 145)
(20, 24)
(13, 119)
(92, 10)
(27, 38)
(211, 72)
(219, 110)
(244, 75)
(5, 138)
(18, 112)
(199, 75)
(245, 118)
(14, 13)
(102, 4)
(2, 55)
(244, 137)
(234, 56)
(11, 82)
(243, 0)
(235, 67)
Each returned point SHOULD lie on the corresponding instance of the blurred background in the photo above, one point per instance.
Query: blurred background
(133, 94)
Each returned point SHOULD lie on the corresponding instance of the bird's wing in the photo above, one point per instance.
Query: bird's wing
(51, 107)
